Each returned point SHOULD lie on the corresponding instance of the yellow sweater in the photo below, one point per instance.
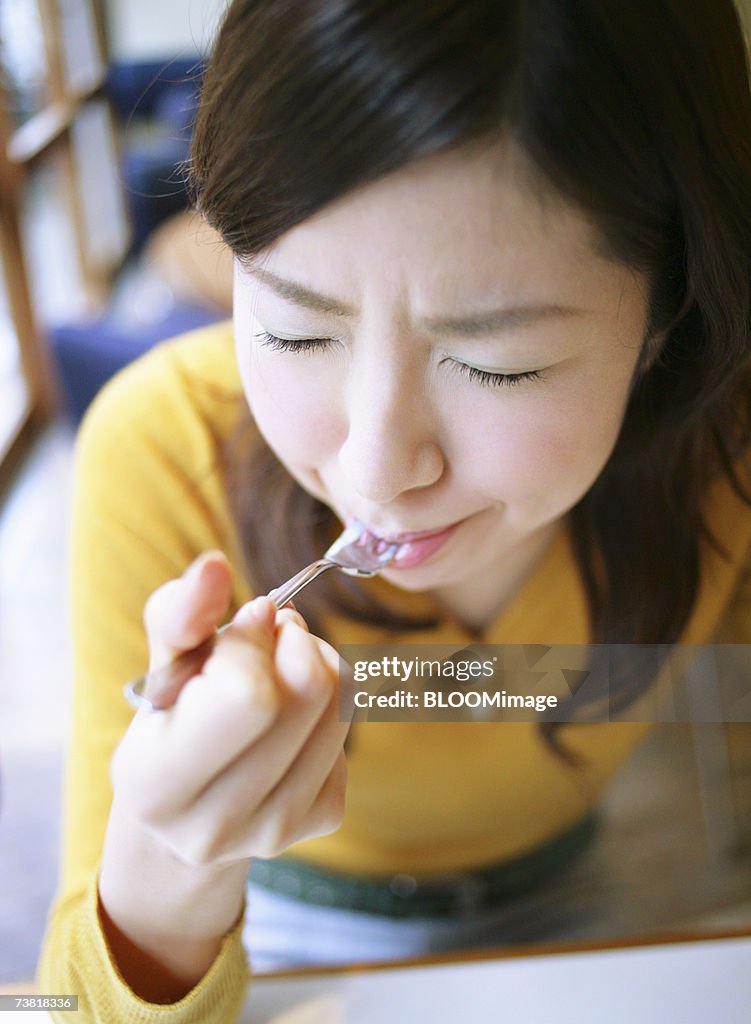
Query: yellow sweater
(421, 798)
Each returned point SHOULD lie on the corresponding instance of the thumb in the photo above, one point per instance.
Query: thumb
(185, 612)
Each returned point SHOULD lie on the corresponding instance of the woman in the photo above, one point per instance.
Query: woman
(492, 299)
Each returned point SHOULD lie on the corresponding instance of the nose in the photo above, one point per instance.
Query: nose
(392, 444)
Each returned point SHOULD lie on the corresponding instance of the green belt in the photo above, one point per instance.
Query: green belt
(451, 895)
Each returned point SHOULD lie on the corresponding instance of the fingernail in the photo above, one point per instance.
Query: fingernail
(254, 612)
(288, 614)
(194, 571)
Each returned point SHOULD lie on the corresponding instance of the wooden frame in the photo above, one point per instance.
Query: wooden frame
(56, 127)
(37, 376)
(72, 130)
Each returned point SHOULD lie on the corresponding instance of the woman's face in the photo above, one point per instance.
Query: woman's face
(443, 353)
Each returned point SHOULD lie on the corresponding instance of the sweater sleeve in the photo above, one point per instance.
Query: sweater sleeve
(147, 500)
(76, 960)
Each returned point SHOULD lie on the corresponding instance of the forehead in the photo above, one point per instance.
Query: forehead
(473, 220)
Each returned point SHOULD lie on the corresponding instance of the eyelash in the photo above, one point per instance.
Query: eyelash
(482, 377)
(496, 380)
(290, 345)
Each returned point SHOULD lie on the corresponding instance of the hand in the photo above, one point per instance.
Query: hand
(249, 759)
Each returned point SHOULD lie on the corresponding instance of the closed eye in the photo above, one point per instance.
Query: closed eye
(494, 380)
(293, 344)
(486, 378)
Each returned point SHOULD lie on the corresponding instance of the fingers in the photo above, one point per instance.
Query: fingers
(260, 611)
(270, 613)
(221, 711)
(250, 757)
(290, 614)
(316, 809)
(327, 810)
(273, 788)
(184, 612)
(302, 690)
(309, 800)
(281, 714)
(307, 689)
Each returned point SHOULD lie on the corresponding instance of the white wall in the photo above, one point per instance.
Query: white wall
(145, 29)
(153, 29)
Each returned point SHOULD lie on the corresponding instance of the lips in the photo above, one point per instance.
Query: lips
(415, 548)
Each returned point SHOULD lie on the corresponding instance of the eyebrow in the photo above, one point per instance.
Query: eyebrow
(467, 326)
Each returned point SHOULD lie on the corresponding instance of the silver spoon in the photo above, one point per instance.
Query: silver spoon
(355, 551)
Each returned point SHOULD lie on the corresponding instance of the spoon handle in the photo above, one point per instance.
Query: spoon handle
(164, 684)
(281, 595)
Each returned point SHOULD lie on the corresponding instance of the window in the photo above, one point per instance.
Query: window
(63, 223)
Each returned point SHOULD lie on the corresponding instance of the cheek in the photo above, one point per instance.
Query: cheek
(294, 412)
(546, 451)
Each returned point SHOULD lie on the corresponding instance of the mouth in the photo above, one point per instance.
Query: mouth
(415, 547)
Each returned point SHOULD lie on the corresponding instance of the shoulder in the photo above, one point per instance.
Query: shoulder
(180, 401)
(150, 488)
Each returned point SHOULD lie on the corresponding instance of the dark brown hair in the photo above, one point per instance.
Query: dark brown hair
(637, 111)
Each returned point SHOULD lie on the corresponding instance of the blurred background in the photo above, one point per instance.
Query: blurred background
(100, 258)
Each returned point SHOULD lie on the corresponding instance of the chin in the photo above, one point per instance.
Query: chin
(408, 580)
(422, 577)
